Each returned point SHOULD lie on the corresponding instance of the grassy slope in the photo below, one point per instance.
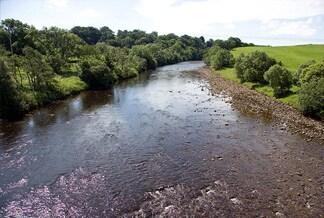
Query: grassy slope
(291, 56)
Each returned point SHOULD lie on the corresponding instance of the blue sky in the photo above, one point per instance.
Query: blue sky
(266, 22)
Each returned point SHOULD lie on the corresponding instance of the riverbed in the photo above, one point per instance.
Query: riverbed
(159, 144)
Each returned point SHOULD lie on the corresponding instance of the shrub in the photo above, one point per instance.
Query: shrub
(280, 79)
(311, 97)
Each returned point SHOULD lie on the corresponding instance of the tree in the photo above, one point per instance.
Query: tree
(313, 71)
(106, 34)
(239, 67)
(90, 35)
(16, 32)
(10, 101)
(221, 59)
(39, 73)
(58, 45)
(280, 79)
(311, 97)
(15, 64)
(97, 74)
(143, 51)
(251, 68)
(298, 73)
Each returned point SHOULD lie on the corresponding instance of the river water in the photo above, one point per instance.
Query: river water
(123, 151)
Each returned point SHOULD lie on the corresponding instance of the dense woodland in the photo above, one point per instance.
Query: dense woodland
(38, 67)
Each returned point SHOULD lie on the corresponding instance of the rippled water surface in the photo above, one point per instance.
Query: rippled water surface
(99, 153)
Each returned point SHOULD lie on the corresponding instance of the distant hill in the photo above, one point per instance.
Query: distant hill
(291, 56)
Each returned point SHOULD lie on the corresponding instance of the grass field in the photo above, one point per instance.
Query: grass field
(291, 56)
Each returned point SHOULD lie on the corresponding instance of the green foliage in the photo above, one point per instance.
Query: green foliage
(39, 73)
(311, 97)
(312, 71)
(10, 101)
(58, 45)
(280, 79)
(90, 35)
(230, 43)
(144, 52)
(13, 35)
(97, 74)
(218, 55)
(239, 67)
(221, 59)
(297, 74)
(251, 68)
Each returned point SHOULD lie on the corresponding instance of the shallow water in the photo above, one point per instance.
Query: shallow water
(99, 153)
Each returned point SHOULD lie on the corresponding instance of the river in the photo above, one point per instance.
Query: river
(149, 143)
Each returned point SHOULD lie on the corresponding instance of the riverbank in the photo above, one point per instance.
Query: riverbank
(251, 102)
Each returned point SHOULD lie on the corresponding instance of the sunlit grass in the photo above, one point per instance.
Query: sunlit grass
(228, 73)
(291, 99)
(291, 56)
(70, 85)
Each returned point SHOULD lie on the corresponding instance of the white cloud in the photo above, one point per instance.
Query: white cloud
(291, 28)
(194, 17)
(90, 13)
(58, 3)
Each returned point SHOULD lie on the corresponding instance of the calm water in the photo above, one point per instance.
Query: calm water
(98, 153)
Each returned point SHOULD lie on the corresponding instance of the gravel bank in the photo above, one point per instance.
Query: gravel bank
(251, 102)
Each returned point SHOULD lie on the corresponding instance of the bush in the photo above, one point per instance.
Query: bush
(280, 79)
(251, 68)
(97, 74)
(311, 97)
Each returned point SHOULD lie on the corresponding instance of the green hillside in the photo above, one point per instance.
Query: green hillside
(290, 56)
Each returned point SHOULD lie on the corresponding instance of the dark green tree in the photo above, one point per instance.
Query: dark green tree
(106, 34)
(280, 79)
(311, 97)
(90, 35)
(221, 59)
(253, 66)
(97, 74)
(10, 101)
